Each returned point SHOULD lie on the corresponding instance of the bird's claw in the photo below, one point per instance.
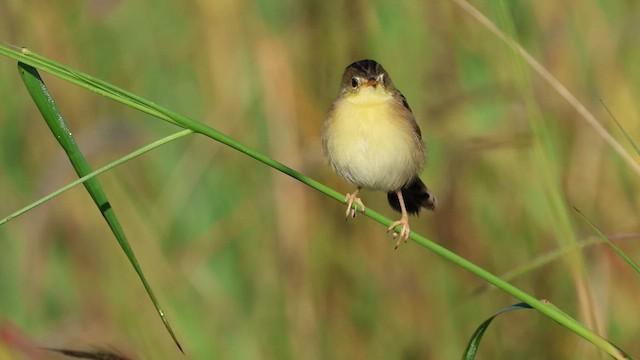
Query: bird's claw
(351, 211)
(404, 233)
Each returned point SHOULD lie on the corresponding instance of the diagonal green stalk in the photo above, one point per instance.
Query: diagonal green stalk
(93, 174)
(148, 107)
(41, 96)
(615, 248)
(626, 135)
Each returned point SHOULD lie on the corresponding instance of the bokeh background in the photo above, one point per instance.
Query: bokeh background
(250, 264)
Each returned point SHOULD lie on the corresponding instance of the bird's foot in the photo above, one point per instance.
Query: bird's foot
(405, 231)
(351, 211)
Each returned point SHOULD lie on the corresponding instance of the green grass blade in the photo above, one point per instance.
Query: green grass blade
(626, 135)
(93, 174)
(95, 354)
(615, 248)
(148, 107)
(55, 121)
(474, 342)
(83, 80)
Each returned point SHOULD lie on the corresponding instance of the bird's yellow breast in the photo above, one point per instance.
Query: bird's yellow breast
(368, 140)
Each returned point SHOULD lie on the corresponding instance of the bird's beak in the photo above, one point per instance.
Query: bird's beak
(372, 82)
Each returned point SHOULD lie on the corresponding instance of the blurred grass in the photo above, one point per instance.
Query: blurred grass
(249, 263)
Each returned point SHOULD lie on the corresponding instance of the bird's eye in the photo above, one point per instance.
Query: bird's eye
(354, 82)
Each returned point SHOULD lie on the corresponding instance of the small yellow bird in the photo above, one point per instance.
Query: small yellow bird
(370, 138)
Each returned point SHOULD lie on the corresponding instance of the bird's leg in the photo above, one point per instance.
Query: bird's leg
(404, 221)
(353, 198)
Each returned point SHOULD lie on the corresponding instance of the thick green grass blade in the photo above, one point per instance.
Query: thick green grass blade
(474, 343)
(615, 248)
(55, 121)
(129, 99)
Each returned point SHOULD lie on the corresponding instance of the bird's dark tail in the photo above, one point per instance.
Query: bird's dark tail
(416, 196)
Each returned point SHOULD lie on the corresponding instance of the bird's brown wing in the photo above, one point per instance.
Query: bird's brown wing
(406, 108)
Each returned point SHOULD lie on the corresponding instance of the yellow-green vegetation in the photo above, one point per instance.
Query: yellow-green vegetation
(250, 263)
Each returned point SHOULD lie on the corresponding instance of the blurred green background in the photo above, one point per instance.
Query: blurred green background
(250, 264)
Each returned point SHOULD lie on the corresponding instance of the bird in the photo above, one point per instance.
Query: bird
(371, 138)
